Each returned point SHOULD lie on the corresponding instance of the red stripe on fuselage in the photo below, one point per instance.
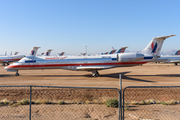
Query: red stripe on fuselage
(83, 64)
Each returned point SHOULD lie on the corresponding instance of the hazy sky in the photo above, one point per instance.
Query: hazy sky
(70, 25)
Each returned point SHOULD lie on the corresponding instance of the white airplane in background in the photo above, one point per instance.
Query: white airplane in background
(89, 63)
(11, 58)
(169, 58)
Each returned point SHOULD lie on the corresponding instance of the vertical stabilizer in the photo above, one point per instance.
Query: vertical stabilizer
(33, 51)
(16, 53)
(178, 52)
(61, 54)
(154, 47)
(122, 50)
(112, 51)
(48, 52)
(5, 53)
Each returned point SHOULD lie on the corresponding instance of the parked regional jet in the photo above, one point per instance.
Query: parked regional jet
(90, 63)
(169, 58)
(11, 58)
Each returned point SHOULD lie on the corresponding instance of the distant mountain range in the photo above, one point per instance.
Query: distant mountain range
(172, 52)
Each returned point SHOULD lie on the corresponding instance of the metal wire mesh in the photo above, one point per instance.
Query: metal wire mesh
(14, 103)
(161, 103)
(72, 104)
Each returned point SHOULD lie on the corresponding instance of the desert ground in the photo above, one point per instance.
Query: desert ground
(150, 74)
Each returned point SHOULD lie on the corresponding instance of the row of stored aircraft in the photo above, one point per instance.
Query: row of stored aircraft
(89, 63)
(7, 59)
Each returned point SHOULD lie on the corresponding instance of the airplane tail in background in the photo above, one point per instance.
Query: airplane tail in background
(112, 51)
(33, 52)
(5, 53)
(48, 52)
(16, 53)
(61, 54)
(11, 53)
(178, 52)
(154, 47)
(122, 50)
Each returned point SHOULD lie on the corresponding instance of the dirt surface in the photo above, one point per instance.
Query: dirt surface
(146, 75)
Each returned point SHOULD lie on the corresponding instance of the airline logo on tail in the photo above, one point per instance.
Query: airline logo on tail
(32, 52)
(47, 53)
(153, 47)
(178, 52)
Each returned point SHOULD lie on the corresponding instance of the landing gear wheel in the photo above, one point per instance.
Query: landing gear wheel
(3, 64)
(7, 63)
(95, 73)
(17, 74)
(176, 63)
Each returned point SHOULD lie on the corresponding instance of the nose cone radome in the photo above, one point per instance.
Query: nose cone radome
(8, 67)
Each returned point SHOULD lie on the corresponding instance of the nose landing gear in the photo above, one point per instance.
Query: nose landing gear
(17, 74)
(95, 73)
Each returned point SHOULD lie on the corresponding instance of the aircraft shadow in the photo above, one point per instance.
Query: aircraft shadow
(162, 75)
(5, 75)
(123, 76)
(112, 75)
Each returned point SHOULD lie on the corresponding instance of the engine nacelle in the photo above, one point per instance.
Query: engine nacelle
(130, 57)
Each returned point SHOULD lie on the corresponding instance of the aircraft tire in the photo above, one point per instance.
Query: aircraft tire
(17, 74)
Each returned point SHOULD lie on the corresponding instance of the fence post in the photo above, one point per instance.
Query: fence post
(120, 98)
(30, 103)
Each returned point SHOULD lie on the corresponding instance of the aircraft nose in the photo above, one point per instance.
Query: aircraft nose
(7, 67)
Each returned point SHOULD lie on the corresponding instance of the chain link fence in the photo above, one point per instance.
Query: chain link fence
(57, 103)
(78, 103)
(151, 103)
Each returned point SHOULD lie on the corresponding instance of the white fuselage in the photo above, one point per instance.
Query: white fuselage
(87, 63)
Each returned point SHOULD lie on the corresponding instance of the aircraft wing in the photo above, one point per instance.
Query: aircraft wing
(89, 68)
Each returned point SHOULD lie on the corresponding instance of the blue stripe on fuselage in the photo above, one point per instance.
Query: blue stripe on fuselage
(148, 57)
(30, 61)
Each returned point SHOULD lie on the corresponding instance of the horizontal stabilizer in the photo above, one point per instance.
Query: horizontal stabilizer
(164, 37)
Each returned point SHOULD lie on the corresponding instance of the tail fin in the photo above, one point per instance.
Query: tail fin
(33, 52)
(61, 54)
(83, 54)
(121, 50)
(16, 53)
(178, 52)
(11, 53)
(5, 53)
(112, 51)
(154, 47)
(48, 52)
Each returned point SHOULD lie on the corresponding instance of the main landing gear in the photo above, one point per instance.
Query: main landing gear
(95, 73)
(176, 63)
(17, 74)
